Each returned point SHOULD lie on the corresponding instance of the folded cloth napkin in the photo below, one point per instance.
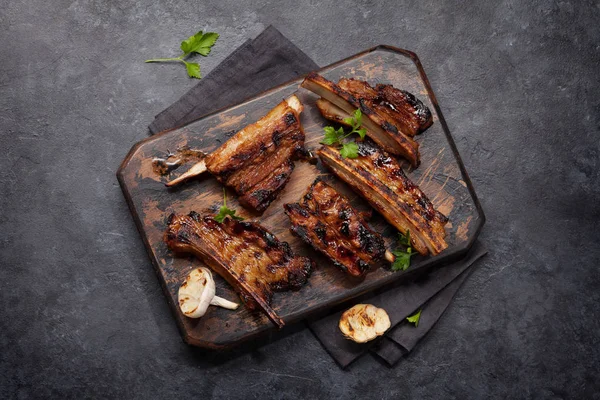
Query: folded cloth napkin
(432, 294)
(257, 65)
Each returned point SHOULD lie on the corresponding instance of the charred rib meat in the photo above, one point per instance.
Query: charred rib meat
(264, 192)
(379, 178)
(378, 125)
(257, 161)
(409, 113)
(397, 107)
(250, 258)
(327, 221)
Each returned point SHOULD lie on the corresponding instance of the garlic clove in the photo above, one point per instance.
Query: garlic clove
(197, 292)
(364, 322)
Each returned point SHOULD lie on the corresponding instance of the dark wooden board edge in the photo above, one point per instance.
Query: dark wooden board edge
(389, 281)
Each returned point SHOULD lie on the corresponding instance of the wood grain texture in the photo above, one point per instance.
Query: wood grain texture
(441, 176)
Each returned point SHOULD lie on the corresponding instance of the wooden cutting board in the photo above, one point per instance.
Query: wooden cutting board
(441, 176)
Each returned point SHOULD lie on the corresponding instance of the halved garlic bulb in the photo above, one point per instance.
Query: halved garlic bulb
(364, 322)
(197, 292)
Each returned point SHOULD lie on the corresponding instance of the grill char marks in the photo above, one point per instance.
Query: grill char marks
(256, 162)
(398, 108)
(405, 107)
(265, 191)
(251, 259)
(378, 125)
(327, 221)
(379, 178)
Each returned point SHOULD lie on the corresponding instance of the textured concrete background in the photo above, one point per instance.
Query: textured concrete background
(81, 311)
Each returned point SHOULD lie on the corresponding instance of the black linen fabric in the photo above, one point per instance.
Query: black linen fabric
(257, 65)
(432, 293)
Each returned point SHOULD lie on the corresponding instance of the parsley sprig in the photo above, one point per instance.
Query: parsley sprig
(336, 137)
(414, 319)
(200, 43)
(225, 212)
(402, 261)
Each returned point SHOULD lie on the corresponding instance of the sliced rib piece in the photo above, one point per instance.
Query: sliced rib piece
(379, 178)
(257, 161)
(397, 107)
(327, 221)
(402, 104)
(378, 129)
(249, 257)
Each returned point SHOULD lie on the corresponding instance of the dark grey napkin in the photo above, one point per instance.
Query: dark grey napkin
(404, 337)
(267, 61)
(257, 65)
(433, 293)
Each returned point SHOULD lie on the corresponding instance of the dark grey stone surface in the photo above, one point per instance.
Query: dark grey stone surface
(81, 311)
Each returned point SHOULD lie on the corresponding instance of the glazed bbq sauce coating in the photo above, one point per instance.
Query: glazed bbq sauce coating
(257, 162)
(264, 192)
(327, 221)
(250, 258)
(378, 128)
(378, 178)
(397, 107)
(406, 104)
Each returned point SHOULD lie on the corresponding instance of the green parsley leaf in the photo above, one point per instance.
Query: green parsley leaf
(402, 261)
(193, 69)
(414, 319)
(357, 118)
(200, 43)
(404, 239)
(332, 136)
(225, 212)
(349, 150)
